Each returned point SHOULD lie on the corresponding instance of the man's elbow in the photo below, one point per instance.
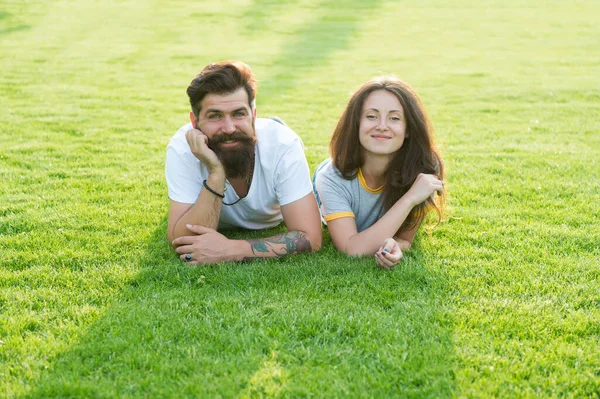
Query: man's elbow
(315, 240)
(176, 231)
(172, 235)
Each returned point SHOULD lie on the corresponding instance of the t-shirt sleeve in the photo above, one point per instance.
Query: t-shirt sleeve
(335, 197)
(292, 176)
(183, 177)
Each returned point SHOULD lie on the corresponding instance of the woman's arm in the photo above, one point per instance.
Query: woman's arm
(344, 234)
(406, 237)
(346, 238)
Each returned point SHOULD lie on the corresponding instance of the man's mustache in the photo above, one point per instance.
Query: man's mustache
(217, 139)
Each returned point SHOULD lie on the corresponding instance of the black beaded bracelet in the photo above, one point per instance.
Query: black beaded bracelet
(213, 191)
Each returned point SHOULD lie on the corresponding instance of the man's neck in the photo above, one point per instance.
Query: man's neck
(241, 185)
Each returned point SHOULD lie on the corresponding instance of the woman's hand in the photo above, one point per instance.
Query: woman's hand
(389, 254)
(424, 187)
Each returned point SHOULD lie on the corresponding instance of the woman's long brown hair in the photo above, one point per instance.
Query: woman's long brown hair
(418, 153)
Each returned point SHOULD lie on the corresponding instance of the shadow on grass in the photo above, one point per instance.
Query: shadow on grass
(12, 29)
(325, 325)
(6, 30)
(335, 24)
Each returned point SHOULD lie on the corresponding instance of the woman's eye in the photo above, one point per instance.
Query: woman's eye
(395, 118)
(371, 117)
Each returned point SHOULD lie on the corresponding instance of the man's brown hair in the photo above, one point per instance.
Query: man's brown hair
(221, 78)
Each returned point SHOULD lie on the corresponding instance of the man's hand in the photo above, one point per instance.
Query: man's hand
(206, 246)
(389, 254)
(198, 143)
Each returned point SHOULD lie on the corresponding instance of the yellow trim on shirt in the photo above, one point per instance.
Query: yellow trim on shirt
(338, 215)
(363, 182)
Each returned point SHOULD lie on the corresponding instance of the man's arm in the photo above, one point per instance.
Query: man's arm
(207, 208)
(204, 212)
(304, 235)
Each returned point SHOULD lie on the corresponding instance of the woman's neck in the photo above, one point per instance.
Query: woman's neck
(374, 170)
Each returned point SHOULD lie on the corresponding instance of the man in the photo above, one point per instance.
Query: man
(228, 169)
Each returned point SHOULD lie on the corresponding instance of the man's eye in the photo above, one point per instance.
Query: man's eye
(213, 116)
(240, 114)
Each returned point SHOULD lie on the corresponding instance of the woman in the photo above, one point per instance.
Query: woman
(383, 173)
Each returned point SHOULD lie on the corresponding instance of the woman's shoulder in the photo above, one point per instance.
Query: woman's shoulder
(327, 174)
(325, 164)
(327, 169)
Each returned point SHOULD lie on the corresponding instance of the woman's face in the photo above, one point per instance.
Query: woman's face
(382, 125)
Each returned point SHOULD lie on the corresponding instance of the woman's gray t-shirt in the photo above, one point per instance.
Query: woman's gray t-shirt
(341, 198)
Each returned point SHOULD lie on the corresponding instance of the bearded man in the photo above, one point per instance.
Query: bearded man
(228, 169)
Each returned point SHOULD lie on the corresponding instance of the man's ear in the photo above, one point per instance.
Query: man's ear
(193, 120)
(254, 113)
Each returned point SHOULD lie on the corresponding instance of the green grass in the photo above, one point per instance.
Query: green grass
(501, 300)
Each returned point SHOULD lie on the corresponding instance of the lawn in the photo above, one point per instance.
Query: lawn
(502, 299)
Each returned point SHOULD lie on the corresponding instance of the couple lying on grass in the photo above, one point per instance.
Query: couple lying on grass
(229, 169)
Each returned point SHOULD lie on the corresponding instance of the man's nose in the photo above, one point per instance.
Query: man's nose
(228, 125)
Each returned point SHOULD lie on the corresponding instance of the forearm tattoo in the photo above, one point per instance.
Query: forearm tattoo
(280, 245)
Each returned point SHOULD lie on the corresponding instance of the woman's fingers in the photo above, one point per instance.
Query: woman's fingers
(425, 186)
(382, 262)
(389, 254)
(388, 260)
(394, 258)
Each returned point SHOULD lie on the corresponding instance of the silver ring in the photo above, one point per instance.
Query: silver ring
(188, 257)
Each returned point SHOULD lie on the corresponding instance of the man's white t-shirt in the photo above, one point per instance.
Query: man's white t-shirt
(281, 176)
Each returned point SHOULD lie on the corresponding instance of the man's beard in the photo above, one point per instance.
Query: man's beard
(237, 161)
